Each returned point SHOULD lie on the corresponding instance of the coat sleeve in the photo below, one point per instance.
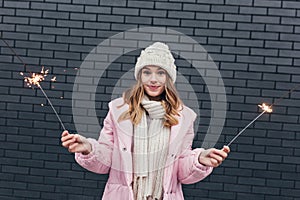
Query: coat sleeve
(99, 160)
(189, 169)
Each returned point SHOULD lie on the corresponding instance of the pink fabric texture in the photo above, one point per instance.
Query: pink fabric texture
(112, 153)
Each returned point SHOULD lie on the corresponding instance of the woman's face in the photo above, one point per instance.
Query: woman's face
(154, 80)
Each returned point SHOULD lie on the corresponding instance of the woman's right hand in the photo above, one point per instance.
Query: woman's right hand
(75, 143)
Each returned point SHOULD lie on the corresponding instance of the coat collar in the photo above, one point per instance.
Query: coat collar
(126, 127)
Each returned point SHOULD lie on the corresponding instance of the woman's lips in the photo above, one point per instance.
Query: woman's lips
(152, 87)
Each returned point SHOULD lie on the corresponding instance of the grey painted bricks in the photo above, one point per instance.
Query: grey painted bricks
(255, 44)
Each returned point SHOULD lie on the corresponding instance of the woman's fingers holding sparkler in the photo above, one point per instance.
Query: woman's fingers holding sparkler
(226, 149)
(75, 143)
(67, 139)
(213, 157)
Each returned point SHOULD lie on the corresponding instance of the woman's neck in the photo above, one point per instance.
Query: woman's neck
(157, 98)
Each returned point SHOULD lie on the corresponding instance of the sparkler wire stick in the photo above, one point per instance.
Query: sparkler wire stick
(245, 128)
(284, 95)
(35, 83)
(14, 52)
(61, 123)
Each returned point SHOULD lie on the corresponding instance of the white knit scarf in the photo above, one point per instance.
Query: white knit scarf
(150, 152)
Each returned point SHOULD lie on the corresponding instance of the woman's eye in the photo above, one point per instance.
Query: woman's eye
(146, 72)
(161, 73)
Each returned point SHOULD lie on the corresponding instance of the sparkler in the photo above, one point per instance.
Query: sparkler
(265, 109)
(35, 79)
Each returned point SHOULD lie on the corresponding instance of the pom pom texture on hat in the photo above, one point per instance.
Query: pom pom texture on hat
(157, 54)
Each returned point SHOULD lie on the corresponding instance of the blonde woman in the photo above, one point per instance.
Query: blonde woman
(145, 143)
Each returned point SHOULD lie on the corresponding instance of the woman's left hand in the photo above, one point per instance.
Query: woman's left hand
(213, 157)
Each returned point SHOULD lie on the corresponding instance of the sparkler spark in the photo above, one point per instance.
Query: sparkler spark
(265, 109)
(35, 79)
(53, 79)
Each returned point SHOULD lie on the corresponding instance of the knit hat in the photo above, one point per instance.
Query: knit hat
(157, 54)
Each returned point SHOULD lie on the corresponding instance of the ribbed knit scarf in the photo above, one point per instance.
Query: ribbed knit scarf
(150, 152)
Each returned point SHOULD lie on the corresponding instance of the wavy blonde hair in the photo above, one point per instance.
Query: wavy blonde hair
(169, 98)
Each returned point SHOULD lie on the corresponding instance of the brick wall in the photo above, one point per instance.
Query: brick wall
(254, 43)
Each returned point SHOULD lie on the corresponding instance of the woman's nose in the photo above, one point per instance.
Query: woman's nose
(153, 78)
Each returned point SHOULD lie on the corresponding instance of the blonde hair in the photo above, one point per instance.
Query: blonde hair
(169, 98)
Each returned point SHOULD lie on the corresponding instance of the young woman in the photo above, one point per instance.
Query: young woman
(145, 143)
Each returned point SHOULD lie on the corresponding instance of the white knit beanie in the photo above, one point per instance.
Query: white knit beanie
(157, 54)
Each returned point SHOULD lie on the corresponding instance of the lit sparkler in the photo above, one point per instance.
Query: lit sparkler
(35, 79)
(265, 109)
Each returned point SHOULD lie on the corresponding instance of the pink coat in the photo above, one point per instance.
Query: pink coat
(112, 154)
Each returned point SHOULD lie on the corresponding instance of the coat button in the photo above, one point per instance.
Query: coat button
(124, 149)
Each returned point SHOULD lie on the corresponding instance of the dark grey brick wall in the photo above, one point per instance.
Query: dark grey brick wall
(255, 43)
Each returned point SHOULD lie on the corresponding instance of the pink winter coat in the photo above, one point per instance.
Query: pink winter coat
(112, 154)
